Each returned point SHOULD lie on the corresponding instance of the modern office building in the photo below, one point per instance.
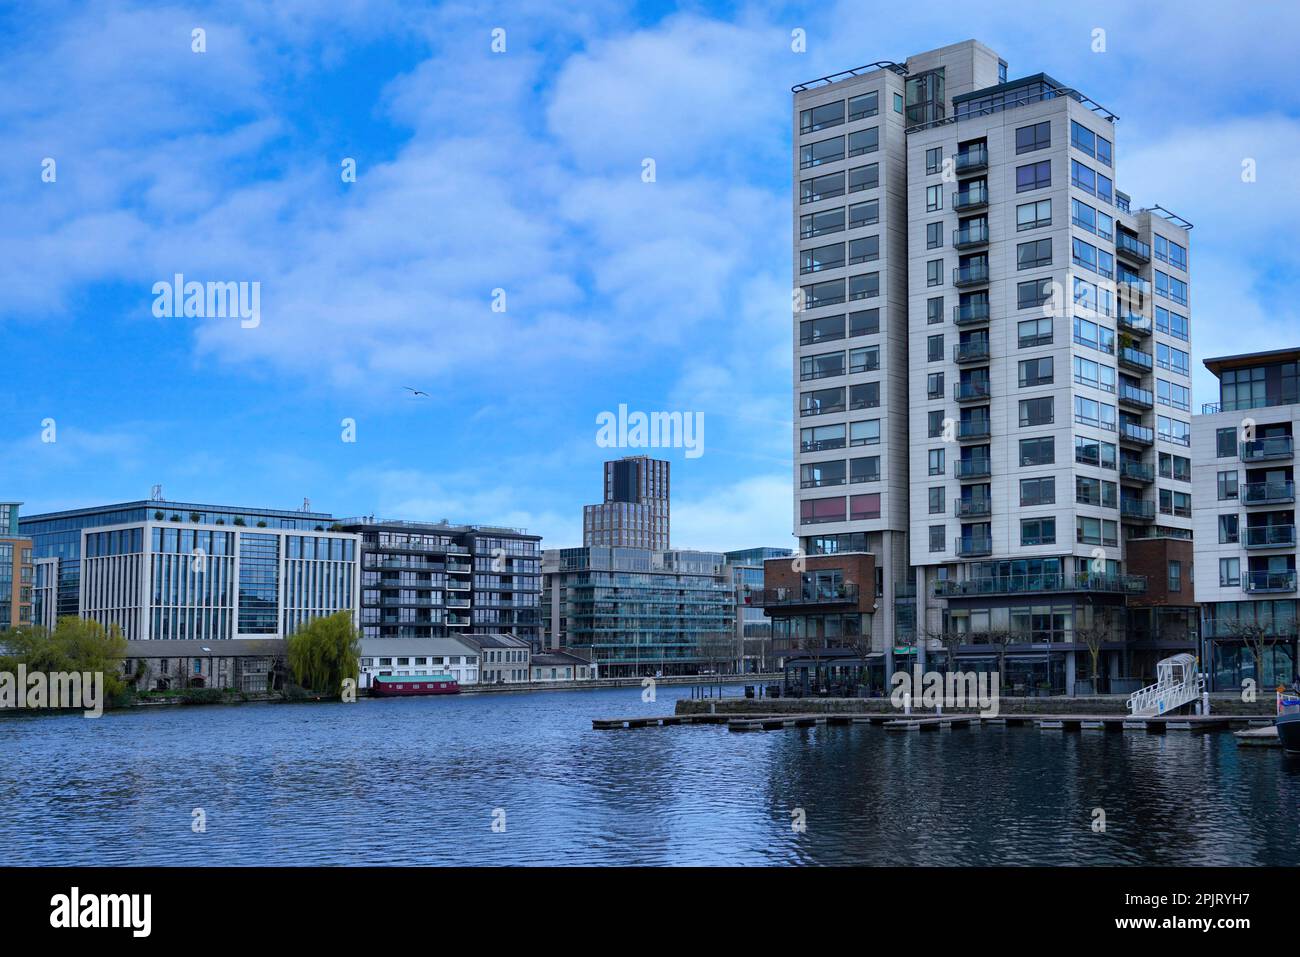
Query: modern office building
(754, 652)
(993, 365)
(1243, 460)
(168, 570)
(635, 512)
(16, 571)
(634, 611)
(431, 580)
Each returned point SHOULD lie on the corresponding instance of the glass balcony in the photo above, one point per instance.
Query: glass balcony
(1258, 582)
(968, 546)
(976, 507)
(1137, 510)
(978, 467)
(1137, 472)
(1133, 322)
(1022, 584)
(1270, 536)
(1268, 493)
(977, 350)
(971, 160)
(845, 593)
(974, 429)
(1139, 434)
(1264, 450)
(1132, 395)
(969, 313)
(970, 197)
(1132, 248)
(977, 234)
(973, 275)
(970, 391)
(1135, 359)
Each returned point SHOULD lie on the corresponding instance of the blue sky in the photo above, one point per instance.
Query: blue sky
(519, 171)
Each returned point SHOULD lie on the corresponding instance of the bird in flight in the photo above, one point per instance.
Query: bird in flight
(415, 393)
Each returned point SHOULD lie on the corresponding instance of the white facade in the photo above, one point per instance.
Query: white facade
(403, 657)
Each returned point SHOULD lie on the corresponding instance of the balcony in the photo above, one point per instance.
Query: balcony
(973, 468)
(1133, 289)
(1135, 359)
(1025, 584)
(1269, 449)
(972, 197)
(458, 621)
(1268, 493)
(977, 350)
(971, 160)
(1132, 248)
(1136, 434)
(968, 236)
(1270, 536)
(970, 547)
(453, 585)
(1133, 322)
(1255, 402)
(1137, 472)
(970, 391)
(1132, 395)
(970, 313)
(1137, 510)
(976, 507)
(824, 595)
(973, 275)
(460, 568)
(458, 602)
(1254, 583)
(972, 429)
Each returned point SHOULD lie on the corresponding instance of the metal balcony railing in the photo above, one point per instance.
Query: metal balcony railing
(972, 275)
(971, 312)
(1270, 536)
(1256, 582)
(1273, 447)
(1268, 493)
(976, 234)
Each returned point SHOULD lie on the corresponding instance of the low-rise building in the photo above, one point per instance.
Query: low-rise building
(250, 665)
(504, 658)
(560, 666)
(401, 657)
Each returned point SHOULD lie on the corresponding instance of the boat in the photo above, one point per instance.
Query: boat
(1288, 722)
(393, 686)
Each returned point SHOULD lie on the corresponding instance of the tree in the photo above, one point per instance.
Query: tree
(951, 641)
(1257, 639)
(1099, 630)
(325, 652)
(75, 644)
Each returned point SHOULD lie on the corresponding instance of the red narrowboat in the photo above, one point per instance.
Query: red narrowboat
(391, 686)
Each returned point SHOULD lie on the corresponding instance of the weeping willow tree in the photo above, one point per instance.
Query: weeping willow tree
(325, 652)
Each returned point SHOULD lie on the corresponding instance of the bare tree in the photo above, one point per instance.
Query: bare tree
(1099, 630)
(1255, 637)
(951, 641)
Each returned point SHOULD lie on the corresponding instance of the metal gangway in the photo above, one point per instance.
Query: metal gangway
(1178, 682)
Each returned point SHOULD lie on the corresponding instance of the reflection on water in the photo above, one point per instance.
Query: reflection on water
(416, 781)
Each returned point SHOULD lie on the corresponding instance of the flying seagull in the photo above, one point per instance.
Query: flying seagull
(415, 393)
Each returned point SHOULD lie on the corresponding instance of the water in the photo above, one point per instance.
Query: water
(416, 781)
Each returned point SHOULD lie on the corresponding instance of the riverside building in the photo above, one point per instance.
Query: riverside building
(992, 363)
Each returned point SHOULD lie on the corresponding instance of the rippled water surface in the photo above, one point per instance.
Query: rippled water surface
(417, 782)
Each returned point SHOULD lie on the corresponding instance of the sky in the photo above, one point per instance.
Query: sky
(521, 171)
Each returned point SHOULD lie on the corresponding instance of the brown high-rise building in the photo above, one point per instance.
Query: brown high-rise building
(635, 512)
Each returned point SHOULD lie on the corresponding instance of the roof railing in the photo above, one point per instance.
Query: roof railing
(1050, 93)
(845, 74)
(1171, 216)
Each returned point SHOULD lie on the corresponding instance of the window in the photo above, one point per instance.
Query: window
(1090, 334)
(864, 214)
(821, 474)
(821, 366)
(934, 310)
(1092, 491)
(823, 294)
(1035, 292)
(1225, 441)
(1038, 531)
(863, 177)
(817, 510)
(1227, 486)
(821, 401)
(1175, 575)
(934, 348)
(898, 103)
(1036, 412)
(866, 286)
(1094, 531)
(864, 433)
(1229, 572)
(864, 322)
(821, 438)
(1228, 529)
(1174, 395)
(1040, 451)
(1173, 430)
(1035, 254)
(864, 141)
(934, 160)
(823, 151)
(863, 106)
(862, 507)
(1086, 141)
(1035, 371)
(1036, 137)
(821, 117)
(866, 359)
(933, 199)
(938, 536)
(1171, 323)
(934, 385)
(1034, 332)
(864, 250)
(934, 272)
(821, 187)
(937, 506)
(935, 461)
(821, 257)
(1038, 491)
(825, 329)
(1091, 412)
(1033, 176)
(1033, 215)
(820, 224)
(1086, 179)
(864, 395)
(933, 235)
(1175, 503)
(864, 469)
(1094, 374)
(934, 422)
(1089, 451)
